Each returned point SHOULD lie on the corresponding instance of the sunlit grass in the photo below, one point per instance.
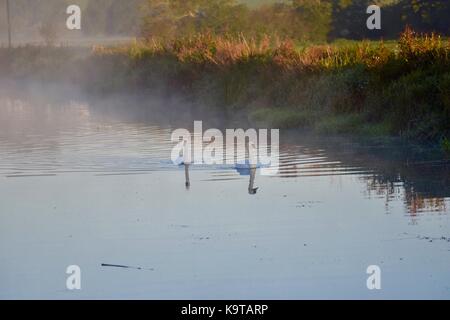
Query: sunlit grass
(362, 87)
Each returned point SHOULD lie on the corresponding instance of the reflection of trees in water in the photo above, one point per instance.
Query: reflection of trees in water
(416, 175)
(415, 201)
(423, 185)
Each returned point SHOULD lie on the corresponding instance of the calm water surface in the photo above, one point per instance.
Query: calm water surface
(81, 186)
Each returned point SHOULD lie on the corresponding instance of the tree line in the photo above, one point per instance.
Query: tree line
(301, 20)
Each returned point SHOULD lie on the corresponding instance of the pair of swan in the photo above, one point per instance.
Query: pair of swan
(244, 169)
(251, 184)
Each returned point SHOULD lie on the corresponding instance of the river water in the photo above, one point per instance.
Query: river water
(82, 186)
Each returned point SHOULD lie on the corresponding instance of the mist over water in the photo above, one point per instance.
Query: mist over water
(89, 181)
(90, 97)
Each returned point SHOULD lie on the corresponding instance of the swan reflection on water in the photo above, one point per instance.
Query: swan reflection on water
(242, 169)
(246, 168)
(186, 174)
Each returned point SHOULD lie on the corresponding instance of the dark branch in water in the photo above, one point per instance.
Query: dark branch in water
(125, 267)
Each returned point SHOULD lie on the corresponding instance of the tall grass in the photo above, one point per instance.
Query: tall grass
(400, 88)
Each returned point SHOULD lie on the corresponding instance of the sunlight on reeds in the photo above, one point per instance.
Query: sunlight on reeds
(362, 87)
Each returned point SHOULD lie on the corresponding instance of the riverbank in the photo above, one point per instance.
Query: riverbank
(363, 88)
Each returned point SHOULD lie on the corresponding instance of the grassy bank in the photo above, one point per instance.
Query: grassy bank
(371, 88)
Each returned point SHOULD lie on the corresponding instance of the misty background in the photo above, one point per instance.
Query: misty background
(43, 21)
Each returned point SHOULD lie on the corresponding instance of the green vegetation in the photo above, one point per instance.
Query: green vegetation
(365, 88)
(272, 63)
(298, 20)
(445, 145)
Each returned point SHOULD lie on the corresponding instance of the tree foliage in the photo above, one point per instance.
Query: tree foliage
(300, 20)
